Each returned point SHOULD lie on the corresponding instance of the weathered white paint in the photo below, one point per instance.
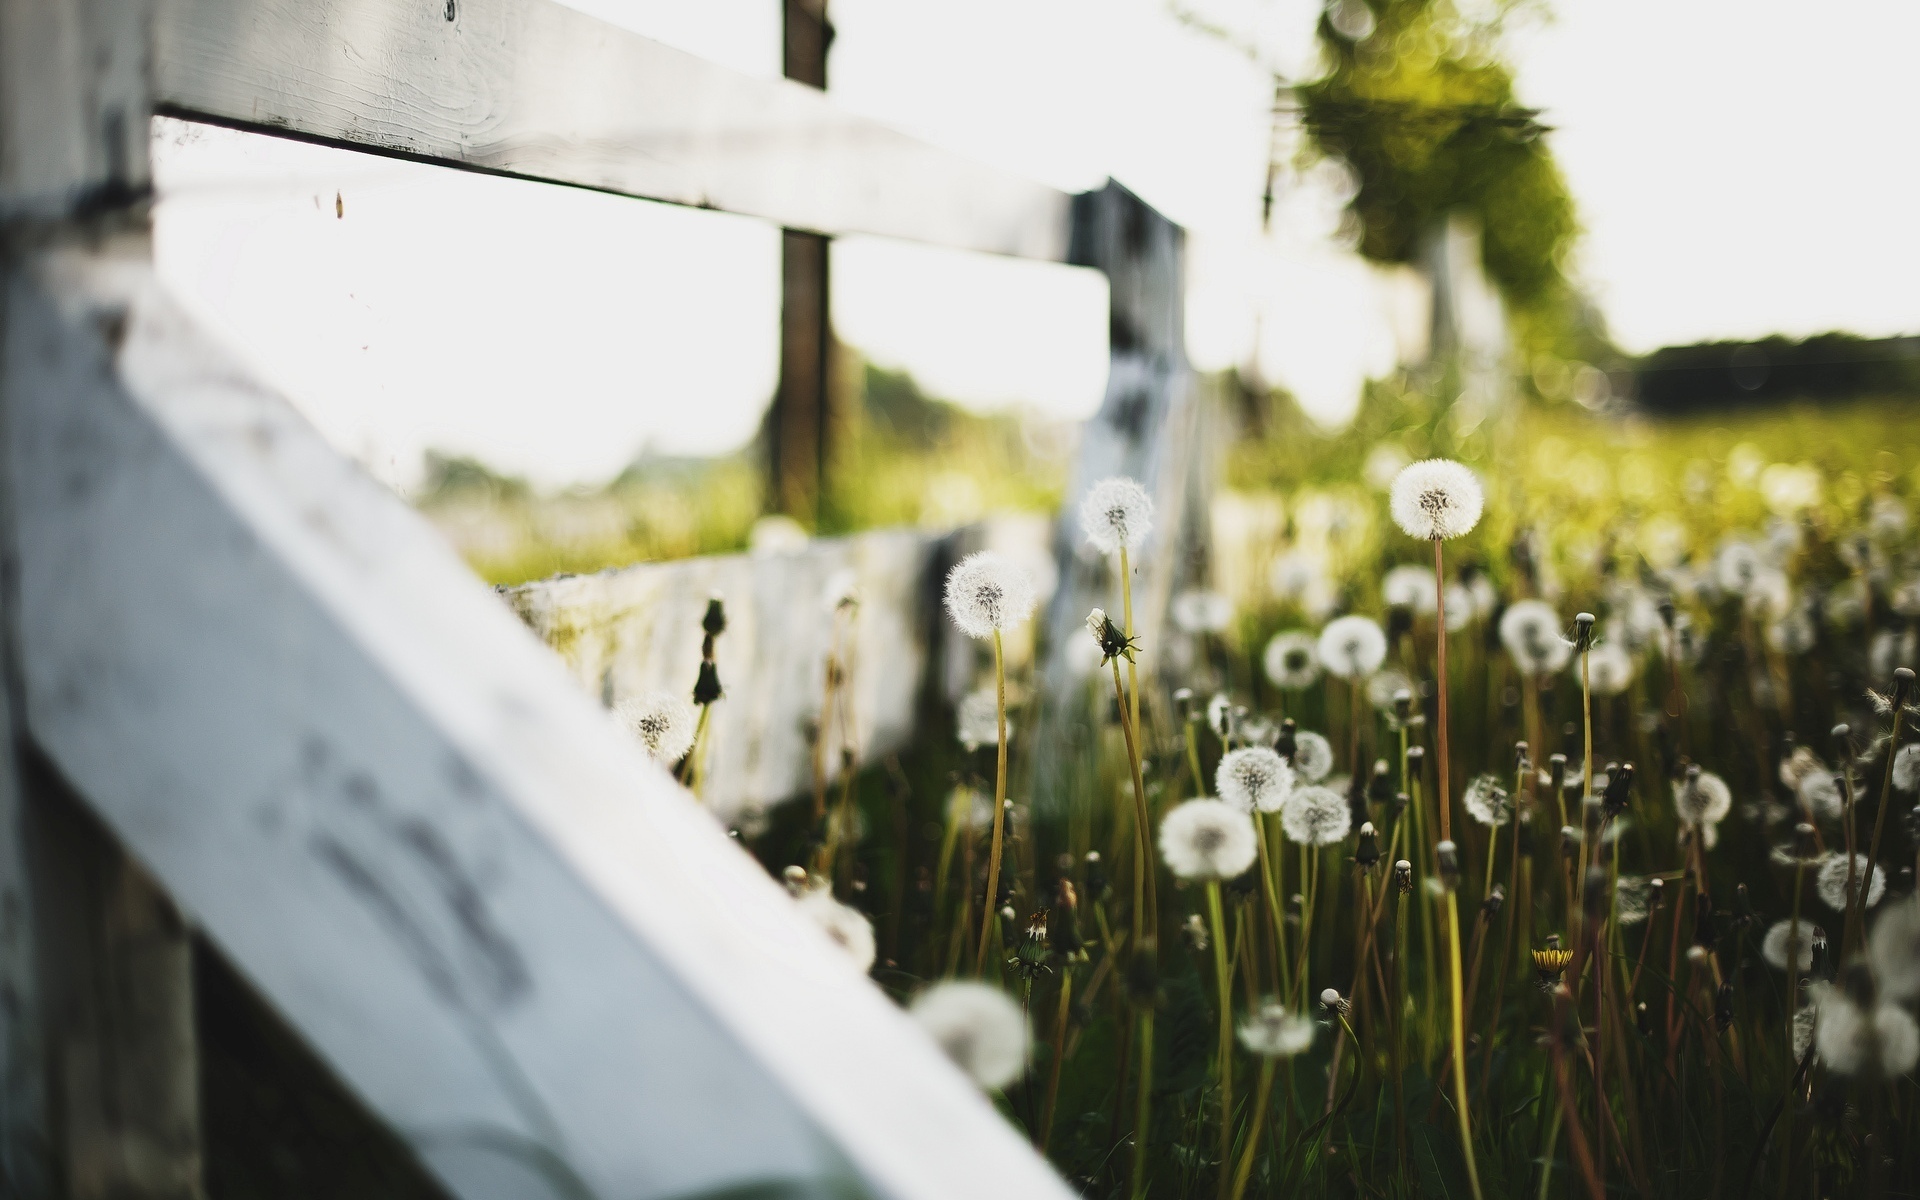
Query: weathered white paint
(530, 88)
(518, 942)
(73, 105)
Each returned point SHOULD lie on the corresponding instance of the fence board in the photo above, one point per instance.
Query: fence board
(519, 943)
(530, 88)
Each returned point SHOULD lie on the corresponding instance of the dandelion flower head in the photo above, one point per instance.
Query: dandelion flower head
(1197, 610)
(1207, 839)
(979, 1027)
(1487, 802)
(1271, 1030)
(1609, 669)
(1116, 512)
(1819, 794)
(1530, 630)
(1312, 756)
(1702, 799)
(1906, 768)
(1291, 660)
(1893, 950)
(1408, 586)
(1253, 778)
(1436, 499)
(846, 927)
(1316, 816)
(987, 592)
(1782, 938)
(1830, 883)
(978, 719)
(1352, 646)
(663, 723)
(1852, 1041)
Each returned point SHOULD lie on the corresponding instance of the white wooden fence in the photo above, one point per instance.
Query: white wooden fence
(311, 737)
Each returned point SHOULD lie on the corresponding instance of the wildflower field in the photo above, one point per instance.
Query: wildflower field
(1525, 808)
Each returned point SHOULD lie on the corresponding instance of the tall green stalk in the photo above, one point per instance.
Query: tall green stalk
(999, 807)
(1224, 975)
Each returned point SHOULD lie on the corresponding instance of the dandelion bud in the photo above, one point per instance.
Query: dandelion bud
(1183, 704)
(1643, 1019)
(1842, 737)
(715, 620)
(1583, 632)
(1656, 893)
(707, 689)
(1495, 898)
(1400, 802)
(1521, 759)
(1447, 855)
(795, 878)
(1557, 771)
(1380, 788)
(1619, 792)
(1288, 743)
(1333, 1002)
(1697, 956)
(1367, 853)
(1902, 685)
(1112, 640)
(1523, 832)
(1402, 705)
(1416, 758)
(1403, 876)
(1550, 964)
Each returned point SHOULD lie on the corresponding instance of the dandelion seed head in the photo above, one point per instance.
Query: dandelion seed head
(1436, 499)
(988, 592)
(1852, 1041)
(1609, 669)
(845, 926)
(1408, 586)
(977, 720)
(1382, 686)
(1486, 801)
(1893, 950)
(1819, 795)
(1312, 756)
(1200, 611)
(1271, 1030)
(1316, 816)
(1782, 940)
(1906, 768)
(1632, 899)
(979, 1027)
(1116, 512)
(1801, 1031)
(1292, 660)
(1736, 566)
(663, 722)
(1702, 799)
(1830, 882)
(1207, 839)
(1530, 630)
(1220, 715)
(1254, 778)
(1352, 647)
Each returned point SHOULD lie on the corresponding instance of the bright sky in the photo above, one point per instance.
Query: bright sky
(1740, 168)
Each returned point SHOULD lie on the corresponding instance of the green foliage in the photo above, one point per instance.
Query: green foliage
(1423, 111)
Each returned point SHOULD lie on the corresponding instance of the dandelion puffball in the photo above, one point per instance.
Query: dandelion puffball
(1530, 630)
(1783, 938)
(1486, 801)
(1208, 839)
(1436, 499)
(1702, 799)
(1851, 1041)
(846, 927)
(988, 592)
(1609, 669)
(1352, 646)
(977, 722)
(1316, 816)
(1893, 950)
(1272, 1031)
(979, 1027)
(662, 722)
(1831, 881)
(1292, 660)
(1819, 794)
(1116, 512)
(1408, 586)
(1906, 768)
(1253, 778)
(1200, 611)
(1312, 756)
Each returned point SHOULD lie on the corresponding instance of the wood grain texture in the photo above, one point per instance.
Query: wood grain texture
(515, 940)
(530, 88)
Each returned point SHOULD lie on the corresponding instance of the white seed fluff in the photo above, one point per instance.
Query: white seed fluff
(847, 927)
(1436, 499)
(1207, 839)
(1852, 1042)
(1530, 630)
(1409, 586)
(1830, 883)
(1292, 660)
(1272, 1031)
(1254, 778)
(1486, 801)
(1703, 799)
(1893, 950)
(1316, 816)
(979, 1027)
(978, 720)
(1609, 669)
(1197, 610)
(1312, 756)
(1819, 794)
(663, 723)
(1783, 938)
(988, 592)
(1906, 768)
(1116, 512)
(1352, 646)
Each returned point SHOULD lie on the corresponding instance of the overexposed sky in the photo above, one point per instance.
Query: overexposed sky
(1740, 169)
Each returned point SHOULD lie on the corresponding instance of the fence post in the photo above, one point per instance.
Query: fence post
(1148, 428)
(800, 423)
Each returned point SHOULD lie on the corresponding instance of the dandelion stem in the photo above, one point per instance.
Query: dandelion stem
(1224, 975)
(1453, 903)
(999, 806)
(1143, 1101)
(1059, 1055)
(1146, 916)
(1262, 1089)
(1126, 612)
